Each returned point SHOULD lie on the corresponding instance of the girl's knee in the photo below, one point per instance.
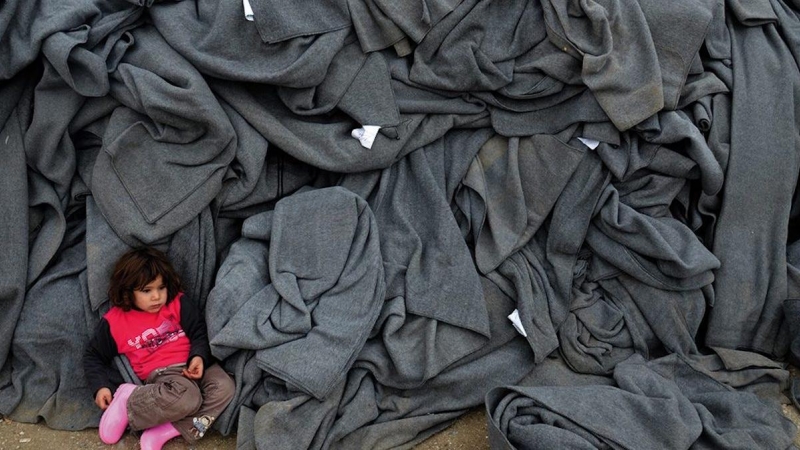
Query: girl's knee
(186, 397)
(220, 385)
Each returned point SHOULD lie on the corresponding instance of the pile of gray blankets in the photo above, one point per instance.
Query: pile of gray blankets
(582, 214)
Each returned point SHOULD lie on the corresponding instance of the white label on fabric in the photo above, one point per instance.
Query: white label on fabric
(514, 318)
(591, 143)
(366, 135)
(248, 10)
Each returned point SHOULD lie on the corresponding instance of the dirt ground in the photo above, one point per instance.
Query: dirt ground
(468, 433)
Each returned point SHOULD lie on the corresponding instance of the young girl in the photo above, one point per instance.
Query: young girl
(164, 337)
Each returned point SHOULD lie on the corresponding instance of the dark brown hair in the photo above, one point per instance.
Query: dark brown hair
(135, 269)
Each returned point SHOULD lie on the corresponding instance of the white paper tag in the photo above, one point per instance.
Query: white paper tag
(591, 143)
(248, 10)
(366, 135)
(514, 318)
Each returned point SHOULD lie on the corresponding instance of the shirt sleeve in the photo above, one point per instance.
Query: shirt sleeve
(97, 358)
(194, 325)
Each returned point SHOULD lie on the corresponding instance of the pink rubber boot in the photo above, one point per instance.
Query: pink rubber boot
(155, 438)
(115, 417)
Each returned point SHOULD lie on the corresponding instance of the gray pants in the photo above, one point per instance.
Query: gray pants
(168, 396)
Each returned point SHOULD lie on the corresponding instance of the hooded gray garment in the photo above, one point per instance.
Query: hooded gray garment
(47, 379)
(166, 151)
(519, 181)
(329, 145)
(366, 414)
(26, 26)
(324, 293)
(751, 233)
(422, 245)
(15, 97)
(218, 41)
(665, 403)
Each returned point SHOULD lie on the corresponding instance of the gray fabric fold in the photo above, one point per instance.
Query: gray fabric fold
(28, 24)
(664, 403)
(278, 21)
(519, 181)
(421, 245)
(47, 379)
(610, 38)
(325, 292)
(14, 221)
(217, 39)
(165, 153)
(751, 283)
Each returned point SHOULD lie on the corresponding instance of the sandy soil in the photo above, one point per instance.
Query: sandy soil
(468, 433)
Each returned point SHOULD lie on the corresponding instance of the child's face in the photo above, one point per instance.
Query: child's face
(152, 297)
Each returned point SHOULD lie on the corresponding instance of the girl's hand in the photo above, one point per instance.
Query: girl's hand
(195, 369)
(103, 398)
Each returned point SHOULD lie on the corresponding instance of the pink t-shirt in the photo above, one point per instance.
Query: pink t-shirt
(150, 341)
